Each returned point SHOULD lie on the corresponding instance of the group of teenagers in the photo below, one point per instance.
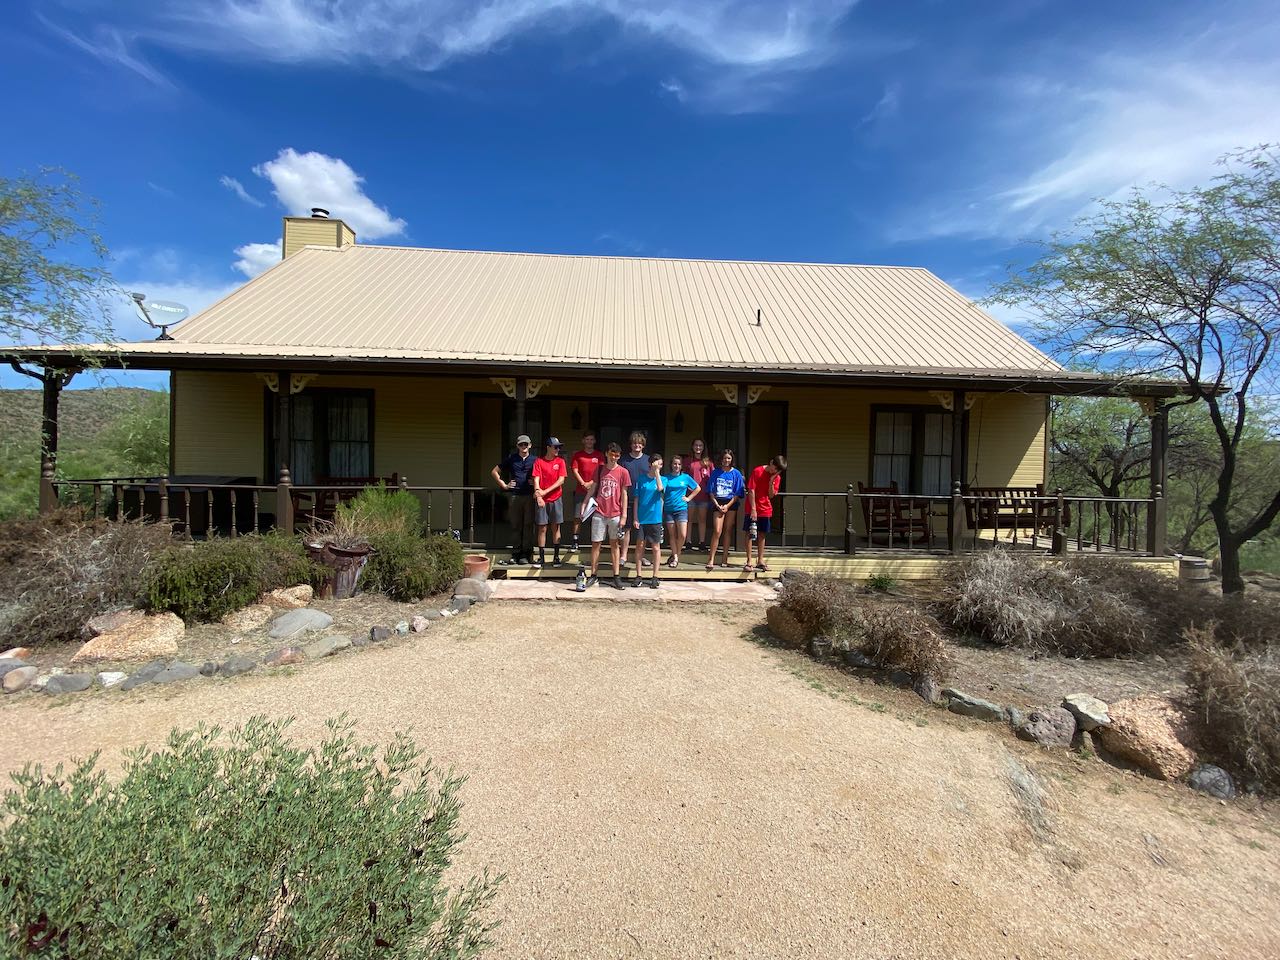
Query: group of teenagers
(630, 498)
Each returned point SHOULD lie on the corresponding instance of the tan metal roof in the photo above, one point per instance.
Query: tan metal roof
(365, 301)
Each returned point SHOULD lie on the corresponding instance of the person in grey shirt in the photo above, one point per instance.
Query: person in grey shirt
(636, 463)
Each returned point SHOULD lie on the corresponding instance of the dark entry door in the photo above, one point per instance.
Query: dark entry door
(615, 423)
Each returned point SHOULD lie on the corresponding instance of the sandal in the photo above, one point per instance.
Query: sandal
(710, 567)
(748, 568)
(763, 568)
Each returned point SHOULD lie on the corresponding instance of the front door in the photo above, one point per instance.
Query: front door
(615, 422)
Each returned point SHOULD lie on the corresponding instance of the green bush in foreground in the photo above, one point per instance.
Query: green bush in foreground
(407, 567)
(206, 580)
(237, 847)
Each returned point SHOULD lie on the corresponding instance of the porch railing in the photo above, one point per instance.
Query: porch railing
(836, 521)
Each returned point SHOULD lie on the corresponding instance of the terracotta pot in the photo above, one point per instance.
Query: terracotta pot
(475, 566)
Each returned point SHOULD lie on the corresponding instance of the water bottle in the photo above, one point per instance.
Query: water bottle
(754, 531)
(581, 580)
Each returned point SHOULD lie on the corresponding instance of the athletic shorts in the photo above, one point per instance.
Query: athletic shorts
(679, 516)
(652, 534)
(721, 501)
(552, 512)
(698, 506)
(762, 525)
(605, 528)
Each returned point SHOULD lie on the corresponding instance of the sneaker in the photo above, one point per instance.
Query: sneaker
(535, 563)
(672, 562)
(592, 581)
(573, 547)
(557, 562)
(637, 582)
(653, 583)
(617, 583)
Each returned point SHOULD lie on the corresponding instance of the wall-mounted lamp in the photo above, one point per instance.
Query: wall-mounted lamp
(575, 419)
(678, 423)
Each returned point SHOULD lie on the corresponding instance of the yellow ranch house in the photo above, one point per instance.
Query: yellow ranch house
(916, 425)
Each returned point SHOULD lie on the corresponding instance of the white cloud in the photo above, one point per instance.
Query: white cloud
(887, 106)
(254, 258)
(748, 38)
(301, 181)
(236, 187)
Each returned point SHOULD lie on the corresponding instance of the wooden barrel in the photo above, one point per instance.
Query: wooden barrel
(1193, 569)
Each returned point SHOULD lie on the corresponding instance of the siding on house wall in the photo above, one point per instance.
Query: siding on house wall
(419, 428)
(299, 232)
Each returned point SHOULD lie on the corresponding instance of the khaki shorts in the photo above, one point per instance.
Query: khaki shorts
(605, 528)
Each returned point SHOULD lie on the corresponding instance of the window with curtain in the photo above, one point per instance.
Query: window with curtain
(912, 448)
(331, 435)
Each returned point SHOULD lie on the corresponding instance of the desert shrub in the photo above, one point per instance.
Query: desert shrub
(1016, 600)
(238, 846)
(1251, 621)
(207, 580)
(377, 510)
(67, 570)
(1236, 695)
(408, 567)
(824, 606)
(881, 582)
(901, 637)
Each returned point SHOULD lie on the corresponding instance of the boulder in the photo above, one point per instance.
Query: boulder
(288, 598)
(250, 617)
(858, 659)
(419, 623)
(111, 678)
(379, 633)
(19, 679)
(402, 628)
(927, 689)
(786, 627)
(477, 590)
(432, 614)
(108, 622)
(140, 639)
(16, 653)
(970, 706)
(1090, 712)
(208, 668)
(143, 674)
(326, 646)
(460, 604)
(10, 663)
(68, 683)
(299, 621)
(176, 671)
(1153, 734)
(283, 656)
(1049, 727)
(1014, 717)
(1212, 780)
(235, 665)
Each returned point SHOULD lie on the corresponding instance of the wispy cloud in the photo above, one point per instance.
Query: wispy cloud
(887, 106)
(301, 181)
(110, 45)
(750, 41)
(160, 189)
(236, 187)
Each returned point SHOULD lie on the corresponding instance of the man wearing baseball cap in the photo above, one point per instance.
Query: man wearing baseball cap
(549, 475)
(519, 467)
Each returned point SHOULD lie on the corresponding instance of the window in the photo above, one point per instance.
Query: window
(331, 435)
(912, 448)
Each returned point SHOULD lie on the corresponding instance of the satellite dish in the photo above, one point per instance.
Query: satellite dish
(160, 314)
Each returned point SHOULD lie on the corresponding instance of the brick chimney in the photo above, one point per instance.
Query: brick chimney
(317, 230)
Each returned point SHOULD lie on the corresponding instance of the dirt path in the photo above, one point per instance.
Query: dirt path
(656, 785)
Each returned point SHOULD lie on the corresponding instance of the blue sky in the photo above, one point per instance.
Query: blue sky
(937, 134)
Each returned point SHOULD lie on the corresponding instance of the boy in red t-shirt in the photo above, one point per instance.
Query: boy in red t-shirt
(584, 467)
(762, 486)
(611, 509)
(549, 475)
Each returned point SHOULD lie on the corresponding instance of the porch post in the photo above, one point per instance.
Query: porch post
(522, 397)
(284, 425)
(1157, 512)
(955, 510)
(744, 463)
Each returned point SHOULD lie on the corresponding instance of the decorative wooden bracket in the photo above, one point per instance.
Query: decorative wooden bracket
(507, 385)
(298, 381)
(755, 392)
(533, 387)
(730, 391)
(1149, 405)
(271, 380)
(946, 399)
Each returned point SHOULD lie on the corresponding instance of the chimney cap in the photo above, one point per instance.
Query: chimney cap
(319, 213)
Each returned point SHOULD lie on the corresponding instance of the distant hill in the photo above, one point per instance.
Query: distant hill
(82, 414)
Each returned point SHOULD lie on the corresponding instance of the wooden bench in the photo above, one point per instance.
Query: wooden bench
(889, 515)
(313, 505)
(1009, 508)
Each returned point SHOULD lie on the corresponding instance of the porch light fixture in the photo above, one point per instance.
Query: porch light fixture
(678, 422)
(575, 419)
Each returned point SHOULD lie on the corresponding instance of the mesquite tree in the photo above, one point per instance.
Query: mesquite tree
(1180, 285)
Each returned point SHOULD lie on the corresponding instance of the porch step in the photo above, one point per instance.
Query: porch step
(686, 570)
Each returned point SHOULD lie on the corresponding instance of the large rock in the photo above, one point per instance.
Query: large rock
(250, 617)
(968, 705)
(68, 683)
(10, 663)
(176, 671)
(419, 623)
(112, 678)
(16, 653)
(1212, 780)
(1090, 712)
(786, 627)
(927, 689)
(143, 674)
(299, 621)
(1049, 727)
(284, 656)
(288, 598)
(19, 679)
(378, 633)
(235, 665)
(477, 590)
(1151, 733)
(109, 622)
(326, 646)
(140, 639)
(459, 604)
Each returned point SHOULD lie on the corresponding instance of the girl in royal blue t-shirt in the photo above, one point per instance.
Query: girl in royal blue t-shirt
(726, 487)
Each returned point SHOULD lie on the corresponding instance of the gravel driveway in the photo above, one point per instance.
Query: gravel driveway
(656, 784)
